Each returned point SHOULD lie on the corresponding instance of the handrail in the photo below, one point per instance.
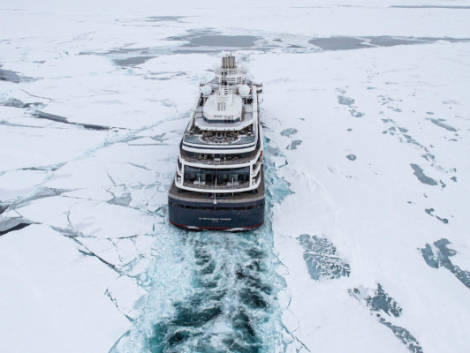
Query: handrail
(216, 186)
(232, 162)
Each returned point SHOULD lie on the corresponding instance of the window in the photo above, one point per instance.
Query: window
(221, 177)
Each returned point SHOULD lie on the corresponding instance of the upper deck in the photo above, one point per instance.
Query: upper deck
(225, 118)
(222, 148)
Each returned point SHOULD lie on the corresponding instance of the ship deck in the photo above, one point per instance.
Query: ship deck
(228, 160)
(204, 197)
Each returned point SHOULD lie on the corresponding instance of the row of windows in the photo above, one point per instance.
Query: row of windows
(228, 157)
(216, 176)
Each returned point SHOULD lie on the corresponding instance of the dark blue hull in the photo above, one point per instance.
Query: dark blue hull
(232, 215)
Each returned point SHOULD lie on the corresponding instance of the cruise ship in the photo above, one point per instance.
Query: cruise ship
(219, 181)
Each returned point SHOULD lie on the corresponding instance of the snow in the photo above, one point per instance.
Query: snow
(367, 145)
(53, 297)
(362, 205)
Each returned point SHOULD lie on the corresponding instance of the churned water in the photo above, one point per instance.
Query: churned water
(212, 292)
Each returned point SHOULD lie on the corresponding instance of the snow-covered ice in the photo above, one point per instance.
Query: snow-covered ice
(367, 142)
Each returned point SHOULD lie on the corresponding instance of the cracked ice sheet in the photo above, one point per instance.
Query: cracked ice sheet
(322, 17)
(143, 167)
(99, 93)
(362, 207)
(90, 218)
(45, 274)
(41, 147)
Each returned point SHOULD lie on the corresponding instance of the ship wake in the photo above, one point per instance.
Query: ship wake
(213, 291)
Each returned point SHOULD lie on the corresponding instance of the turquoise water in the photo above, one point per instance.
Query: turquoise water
(213, 291)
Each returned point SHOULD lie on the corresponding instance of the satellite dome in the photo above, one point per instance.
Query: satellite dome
(244, 91)
(206, 90)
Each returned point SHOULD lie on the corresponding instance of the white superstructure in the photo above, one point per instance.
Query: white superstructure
(222, 149)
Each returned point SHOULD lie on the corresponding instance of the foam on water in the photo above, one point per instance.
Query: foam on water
(212, 291)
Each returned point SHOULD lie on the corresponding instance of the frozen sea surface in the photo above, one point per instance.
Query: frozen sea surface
(367, 128)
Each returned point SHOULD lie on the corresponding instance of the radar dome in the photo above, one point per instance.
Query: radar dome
(244, 91)
(206, 90)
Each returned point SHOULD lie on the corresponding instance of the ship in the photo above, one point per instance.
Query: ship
(219, 180)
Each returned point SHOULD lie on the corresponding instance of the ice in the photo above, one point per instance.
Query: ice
(213, 292)
(362, 207)
(50, 288)
(366, 116)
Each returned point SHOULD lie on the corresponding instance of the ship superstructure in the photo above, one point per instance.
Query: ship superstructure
(219, 182)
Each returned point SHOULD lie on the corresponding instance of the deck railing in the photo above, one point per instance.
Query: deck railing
(228, 186)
